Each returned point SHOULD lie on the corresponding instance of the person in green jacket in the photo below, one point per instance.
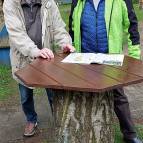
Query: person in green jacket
(97, 26)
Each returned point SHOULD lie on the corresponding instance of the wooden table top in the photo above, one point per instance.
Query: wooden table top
(90, 78)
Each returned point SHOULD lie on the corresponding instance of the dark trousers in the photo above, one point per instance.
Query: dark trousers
(121, 108)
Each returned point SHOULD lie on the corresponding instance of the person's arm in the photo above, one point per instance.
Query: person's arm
(16, 30)
(61, 36)
(130, 25)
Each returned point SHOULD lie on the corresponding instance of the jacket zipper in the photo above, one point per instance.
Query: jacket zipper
(96, 33)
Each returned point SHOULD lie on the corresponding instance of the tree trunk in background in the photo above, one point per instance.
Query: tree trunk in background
(4, 41)
(141, 4)
(83, 117)
(1, 15)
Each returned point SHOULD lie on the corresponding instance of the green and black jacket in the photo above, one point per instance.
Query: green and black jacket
(119, 17)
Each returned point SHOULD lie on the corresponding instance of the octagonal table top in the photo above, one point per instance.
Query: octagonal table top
(88, 78)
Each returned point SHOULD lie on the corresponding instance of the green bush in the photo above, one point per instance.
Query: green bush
(135, 1)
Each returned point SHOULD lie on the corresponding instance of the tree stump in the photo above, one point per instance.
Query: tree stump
(83, 117)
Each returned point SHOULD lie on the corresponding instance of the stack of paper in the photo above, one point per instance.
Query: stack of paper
(88, 58)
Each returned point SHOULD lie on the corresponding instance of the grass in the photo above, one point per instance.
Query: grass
(118, 135)
(7, 84)
(138, 12)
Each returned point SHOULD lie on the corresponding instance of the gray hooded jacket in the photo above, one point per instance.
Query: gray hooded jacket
(22, 49)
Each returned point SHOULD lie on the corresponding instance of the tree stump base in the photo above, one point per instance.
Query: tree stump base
(83, 117)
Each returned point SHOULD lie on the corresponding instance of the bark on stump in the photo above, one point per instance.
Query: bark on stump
(82, 117)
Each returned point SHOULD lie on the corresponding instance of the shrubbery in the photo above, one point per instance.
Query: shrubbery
(135, 1)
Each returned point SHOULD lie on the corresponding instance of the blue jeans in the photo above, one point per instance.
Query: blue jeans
(28, 102)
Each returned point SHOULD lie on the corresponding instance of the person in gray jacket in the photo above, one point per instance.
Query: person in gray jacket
(34, 26)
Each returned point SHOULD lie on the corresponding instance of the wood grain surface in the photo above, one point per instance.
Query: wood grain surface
(91, 78)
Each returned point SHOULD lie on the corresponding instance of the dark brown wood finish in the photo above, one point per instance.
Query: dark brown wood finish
(132, 66)
(125, 75)
(35, 78)
(66, 79)
(75, 75)
(93, 78)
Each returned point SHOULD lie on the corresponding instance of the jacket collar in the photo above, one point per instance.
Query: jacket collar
(23, 2)
(43, 2)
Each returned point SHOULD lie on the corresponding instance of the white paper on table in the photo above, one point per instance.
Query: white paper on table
(79, 58)
(88, 58)
(109, 59)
